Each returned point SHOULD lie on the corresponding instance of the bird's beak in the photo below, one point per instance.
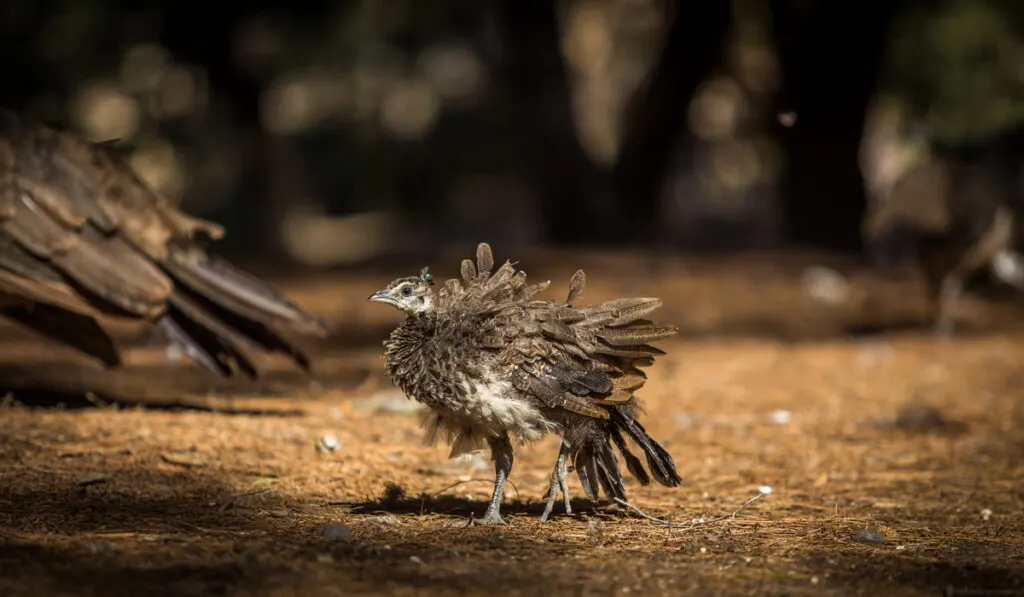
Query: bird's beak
(382, 296)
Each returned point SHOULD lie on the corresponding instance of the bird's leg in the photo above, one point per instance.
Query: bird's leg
(501, 452)
(949, 292)
(995, 242)
(559, 482)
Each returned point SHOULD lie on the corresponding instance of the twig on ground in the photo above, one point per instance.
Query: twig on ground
(696, 523)
(183, 462)
(457, 483)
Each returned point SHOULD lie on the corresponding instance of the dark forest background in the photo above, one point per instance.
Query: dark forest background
(331, 133)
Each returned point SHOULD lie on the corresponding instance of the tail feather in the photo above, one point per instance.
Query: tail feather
(619, 312)
(484, 259)
(238, 292)
(633, 464)
(198, 343)
(206, 339)
(235, 335)
(77, 330)
(659, 461)
(51, 308)
(219, 312)
(596, 466)
(629, 336)
(586, 470)
(608, 472)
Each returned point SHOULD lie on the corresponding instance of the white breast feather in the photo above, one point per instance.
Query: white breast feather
(491, 409)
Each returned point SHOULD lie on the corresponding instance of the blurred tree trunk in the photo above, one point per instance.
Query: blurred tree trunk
(581, 200)
(657, 122)
(830, 53)
(195, 34)
(533, 79)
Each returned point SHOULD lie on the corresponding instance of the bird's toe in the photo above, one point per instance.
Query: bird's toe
(488, 519)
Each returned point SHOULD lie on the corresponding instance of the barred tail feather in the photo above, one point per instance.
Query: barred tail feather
(659, 461)
(597, 467)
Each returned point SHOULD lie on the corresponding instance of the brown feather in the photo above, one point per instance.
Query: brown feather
(577, 282)
(635, 335)
(81, 233)
(468, 271)
(484, 259)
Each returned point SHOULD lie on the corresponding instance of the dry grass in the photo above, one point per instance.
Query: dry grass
(194, 502)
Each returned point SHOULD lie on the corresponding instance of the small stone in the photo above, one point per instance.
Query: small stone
(869, 536)
(337, 532)
(825, 285)
(684, 419)
(780, 417)
(327, 443)
(415, 560)
(923, 419)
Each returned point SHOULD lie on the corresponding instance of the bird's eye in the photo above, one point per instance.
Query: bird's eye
(406, 291)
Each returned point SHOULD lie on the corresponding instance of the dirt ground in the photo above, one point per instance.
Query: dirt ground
(893, 458)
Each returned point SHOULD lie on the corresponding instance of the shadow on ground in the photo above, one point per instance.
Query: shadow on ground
(189, 501)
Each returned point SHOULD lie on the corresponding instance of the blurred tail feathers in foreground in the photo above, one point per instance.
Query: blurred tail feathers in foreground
(81, 236)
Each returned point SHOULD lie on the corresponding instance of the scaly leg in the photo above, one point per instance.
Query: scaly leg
(559, 483)
(501, 452)
(949, 293)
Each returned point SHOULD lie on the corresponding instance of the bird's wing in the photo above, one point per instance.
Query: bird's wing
(580, 359)
(585, 359)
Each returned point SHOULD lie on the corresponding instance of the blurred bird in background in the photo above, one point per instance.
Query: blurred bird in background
(951, 207)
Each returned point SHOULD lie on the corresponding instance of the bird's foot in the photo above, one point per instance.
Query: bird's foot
(944, 328)
(491, 517)
(550, 505)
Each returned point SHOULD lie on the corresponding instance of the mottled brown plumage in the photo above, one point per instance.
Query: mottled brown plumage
(81, 236)
(493, 363)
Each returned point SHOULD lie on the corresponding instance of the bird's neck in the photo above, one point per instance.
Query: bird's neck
(423, 320)
(409, 337)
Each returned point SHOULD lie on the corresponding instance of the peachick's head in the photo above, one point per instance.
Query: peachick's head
(412, 294)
